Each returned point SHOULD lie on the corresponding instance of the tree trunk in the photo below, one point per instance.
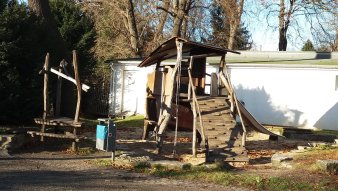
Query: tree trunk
(58, 47)
(132, 28)
(177, 25)
(282, 33)
(232, 35)
(163, 18)
(284, 23)
(233, 10)
(58, 51)
(283, 42)
(179, 10)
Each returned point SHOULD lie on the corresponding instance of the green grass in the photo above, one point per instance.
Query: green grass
(132, 121)
(326, 132)
(85, 151)
(102, 162)
(229, 178)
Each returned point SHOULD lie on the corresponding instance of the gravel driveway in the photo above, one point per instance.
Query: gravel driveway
(55, 171)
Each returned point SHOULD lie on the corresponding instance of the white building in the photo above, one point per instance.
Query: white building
(279, 88)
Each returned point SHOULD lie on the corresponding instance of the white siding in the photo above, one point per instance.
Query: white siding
(288, 95)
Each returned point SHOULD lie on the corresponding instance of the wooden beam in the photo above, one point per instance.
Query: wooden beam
(166, 115)
(84, 86)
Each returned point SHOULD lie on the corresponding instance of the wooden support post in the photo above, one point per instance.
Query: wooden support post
(194, 133)
(45, 94)
(190, 90)
(225, 78)
(58, 90)
(74, 143)
(189, 85)
(78, 87)
(166, 115)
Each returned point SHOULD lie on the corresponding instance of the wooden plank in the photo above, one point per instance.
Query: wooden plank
(62, 136)
(58, 122)
(78, 87)
(84, 86)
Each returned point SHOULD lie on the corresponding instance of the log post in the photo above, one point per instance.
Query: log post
(78, 87)
(194, 129)
(194, 135)
(58, 90)
(78, 103)
(45, 94)
(166, 115)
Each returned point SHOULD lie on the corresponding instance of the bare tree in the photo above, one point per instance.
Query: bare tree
(117, 24)
(131, 20)
(162, 20)
(284, 22)
(292, 14)
(179, 11)
(233, 9)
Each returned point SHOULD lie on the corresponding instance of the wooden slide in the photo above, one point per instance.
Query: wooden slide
(252, 122)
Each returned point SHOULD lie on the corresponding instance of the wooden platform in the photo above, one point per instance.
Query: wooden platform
(58, 121)
(63, 136)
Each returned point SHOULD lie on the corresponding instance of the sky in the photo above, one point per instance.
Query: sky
(265, 38)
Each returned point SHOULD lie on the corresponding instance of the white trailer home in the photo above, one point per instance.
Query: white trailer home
(297, 89)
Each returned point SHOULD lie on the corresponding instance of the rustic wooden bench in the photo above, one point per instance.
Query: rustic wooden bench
(58, 122)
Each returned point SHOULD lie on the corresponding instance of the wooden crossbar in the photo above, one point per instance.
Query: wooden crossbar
(84, 86)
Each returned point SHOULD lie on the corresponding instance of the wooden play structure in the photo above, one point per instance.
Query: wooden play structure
(176, 98)
(69, 126)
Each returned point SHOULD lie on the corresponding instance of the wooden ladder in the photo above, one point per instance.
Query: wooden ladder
(223, 134)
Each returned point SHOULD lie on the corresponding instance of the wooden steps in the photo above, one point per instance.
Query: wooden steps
(224, 135)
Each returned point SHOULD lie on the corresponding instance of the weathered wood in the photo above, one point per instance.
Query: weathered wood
(45, 93)
(78, 87)
(214, 85)
(84, 86)
(58, 90)
(166, 113)
(58, 121)
(194, 129)
(62, 136)
(74, 143)
(197, 107)
(228, 85)
(233, 93)
(189, 85)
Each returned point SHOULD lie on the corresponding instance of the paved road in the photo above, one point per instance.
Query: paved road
(45, 171)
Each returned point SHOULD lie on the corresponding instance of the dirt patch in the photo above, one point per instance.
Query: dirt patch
(54, 155)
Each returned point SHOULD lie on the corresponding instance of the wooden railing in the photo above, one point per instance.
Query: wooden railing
(225, 79)
(195, 109)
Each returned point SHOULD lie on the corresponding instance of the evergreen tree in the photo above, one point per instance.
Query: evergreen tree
(77, 30)
(221, 29)
(20, 58)
(308, 46)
